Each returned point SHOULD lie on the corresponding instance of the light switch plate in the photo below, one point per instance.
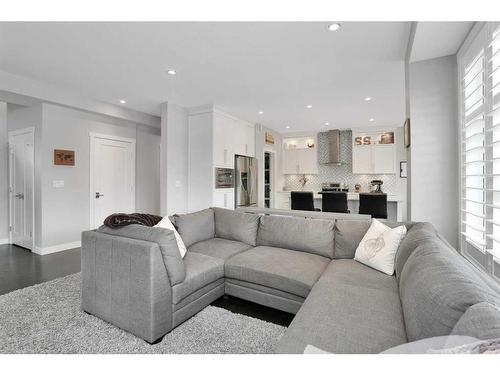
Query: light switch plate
(177, 183)
(58, 184)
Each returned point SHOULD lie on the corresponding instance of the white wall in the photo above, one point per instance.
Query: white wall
(67, 128)
(200, 160)
(434, 143)
(174, 159)
(147, 170)
(4, 174)
(401, 183)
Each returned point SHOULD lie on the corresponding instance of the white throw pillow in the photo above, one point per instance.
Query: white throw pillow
(166, 223)
(378, 247)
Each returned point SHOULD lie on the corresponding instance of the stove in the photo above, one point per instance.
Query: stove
(333, 187)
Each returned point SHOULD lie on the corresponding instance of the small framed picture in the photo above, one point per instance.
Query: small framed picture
(64, 157)
(407, 133)
(403, 169)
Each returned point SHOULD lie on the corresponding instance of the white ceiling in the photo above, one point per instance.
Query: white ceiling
(436, 39)
(276, 67)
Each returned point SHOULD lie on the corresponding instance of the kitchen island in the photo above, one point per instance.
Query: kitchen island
(394, 203)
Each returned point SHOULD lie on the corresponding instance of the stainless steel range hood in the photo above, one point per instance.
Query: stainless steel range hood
(333, 137)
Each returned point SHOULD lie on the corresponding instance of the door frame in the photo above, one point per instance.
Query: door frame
(273, 175)
(10, 135)
(92, 137)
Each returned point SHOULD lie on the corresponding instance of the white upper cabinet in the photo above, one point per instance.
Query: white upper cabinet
(290, 165)
(222, 145)
(231, 137)
(300, 155)
(383, 158)
(362, 160)
(373, 152)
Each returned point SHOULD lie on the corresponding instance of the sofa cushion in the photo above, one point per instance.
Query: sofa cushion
(415, 235)
(195, 227)
(481, 320)
(287, 270)
(351, 309)
(310, 235)
(219, 248)
(165, 238)
(237, 226)
(201, 270)
(437, 286)
(348, 235)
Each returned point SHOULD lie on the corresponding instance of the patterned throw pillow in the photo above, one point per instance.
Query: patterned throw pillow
(379, 246)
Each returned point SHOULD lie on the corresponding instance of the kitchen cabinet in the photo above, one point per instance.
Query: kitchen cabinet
(362, 159)
(224, 198)
(283, 200)
(373, 152)
(231, 137)
(300, 161)
(214, 138)
(383, 158)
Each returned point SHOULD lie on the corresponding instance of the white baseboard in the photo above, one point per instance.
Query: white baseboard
(3, 241)
(56, 248)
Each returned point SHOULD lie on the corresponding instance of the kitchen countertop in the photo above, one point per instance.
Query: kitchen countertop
(350, 196)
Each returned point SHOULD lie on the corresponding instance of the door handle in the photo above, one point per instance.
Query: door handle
(98, 195)
(19, 196)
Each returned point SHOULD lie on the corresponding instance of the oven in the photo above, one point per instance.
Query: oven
(224, 178)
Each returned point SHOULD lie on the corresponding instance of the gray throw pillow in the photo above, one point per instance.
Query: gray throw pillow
(196, 226)
(236, 226)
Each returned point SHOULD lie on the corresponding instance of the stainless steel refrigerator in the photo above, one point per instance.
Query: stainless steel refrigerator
(246, 188)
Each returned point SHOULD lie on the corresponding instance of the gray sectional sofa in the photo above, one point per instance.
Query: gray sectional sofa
(135, 278)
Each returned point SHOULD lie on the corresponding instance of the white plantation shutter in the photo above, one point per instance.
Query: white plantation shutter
(479, 69)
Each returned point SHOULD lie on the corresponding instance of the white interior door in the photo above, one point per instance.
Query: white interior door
(21, 194)
(112, 177)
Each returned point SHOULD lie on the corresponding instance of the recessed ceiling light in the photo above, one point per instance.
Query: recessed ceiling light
(371, 120)
(327, 123)
(368, 98)
(171, 72)
(334, 26)
(287, 127)
(309, 106)
(261, 112)
(123, 101)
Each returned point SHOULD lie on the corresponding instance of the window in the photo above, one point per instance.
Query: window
(479, 68)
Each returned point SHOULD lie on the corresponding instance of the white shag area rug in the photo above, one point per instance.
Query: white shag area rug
(46, 318)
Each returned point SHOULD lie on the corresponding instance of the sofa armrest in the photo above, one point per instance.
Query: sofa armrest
(165, 239)
(125, 282)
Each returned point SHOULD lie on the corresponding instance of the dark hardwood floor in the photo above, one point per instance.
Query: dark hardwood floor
(240, 306)
(20, 268)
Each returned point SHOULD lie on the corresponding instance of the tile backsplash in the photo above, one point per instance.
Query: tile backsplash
(341, 173)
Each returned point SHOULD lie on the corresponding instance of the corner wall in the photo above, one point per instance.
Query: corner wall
(174, 159)
(61, 214)
(4, 176)
(434, 144)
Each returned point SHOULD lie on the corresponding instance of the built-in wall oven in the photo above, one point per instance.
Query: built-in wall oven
(224, 178)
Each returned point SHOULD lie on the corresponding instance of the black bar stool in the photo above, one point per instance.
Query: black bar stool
(374, 204)
(334, 202)
(302, 200)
